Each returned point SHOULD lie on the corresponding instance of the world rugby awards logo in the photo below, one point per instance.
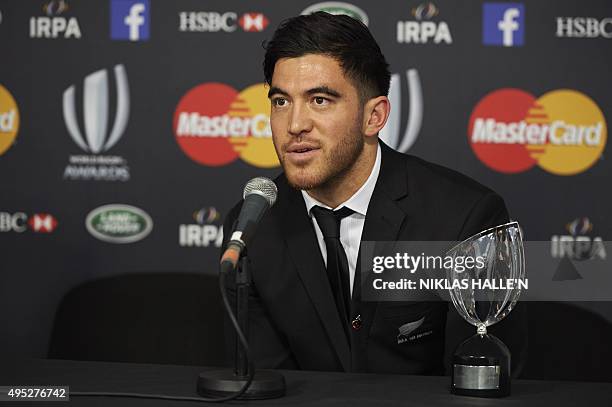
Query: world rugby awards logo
(95, 119)
(390, 134)
(119, 223)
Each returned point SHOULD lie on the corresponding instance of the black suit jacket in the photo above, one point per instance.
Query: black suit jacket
(293, 319)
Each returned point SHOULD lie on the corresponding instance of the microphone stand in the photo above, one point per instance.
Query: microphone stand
(265, 384)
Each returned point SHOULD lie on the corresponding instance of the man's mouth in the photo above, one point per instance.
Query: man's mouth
(301, 153)
(301, 148)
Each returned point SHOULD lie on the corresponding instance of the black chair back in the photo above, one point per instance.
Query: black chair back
(167, 318)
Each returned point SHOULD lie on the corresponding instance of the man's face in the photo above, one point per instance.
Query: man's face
(316, 120)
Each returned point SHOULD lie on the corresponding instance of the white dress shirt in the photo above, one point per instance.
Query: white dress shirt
(351, 226)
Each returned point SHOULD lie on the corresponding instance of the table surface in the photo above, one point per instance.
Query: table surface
(303, 388)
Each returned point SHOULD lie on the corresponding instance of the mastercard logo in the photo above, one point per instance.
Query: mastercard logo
(9, 119)
(563, 131)
(214, 125)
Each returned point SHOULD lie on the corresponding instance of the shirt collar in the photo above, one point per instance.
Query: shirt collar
(361, 199)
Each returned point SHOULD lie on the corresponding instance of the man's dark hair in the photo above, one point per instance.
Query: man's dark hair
(341, 37)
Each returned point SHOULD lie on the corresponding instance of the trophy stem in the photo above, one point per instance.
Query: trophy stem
(481, 367)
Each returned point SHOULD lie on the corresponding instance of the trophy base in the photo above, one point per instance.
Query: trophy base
(481, 368)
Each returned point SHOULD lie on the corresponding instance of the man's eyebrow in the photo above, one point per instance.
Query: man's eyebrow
(276, 90)
(325, 90)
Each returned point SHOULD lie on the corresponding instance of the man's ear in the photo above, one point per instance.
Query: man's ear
(375, 114)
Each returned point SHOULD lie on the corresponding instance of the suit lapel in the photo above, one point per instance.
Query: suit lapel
(384, 218)
(304, 250)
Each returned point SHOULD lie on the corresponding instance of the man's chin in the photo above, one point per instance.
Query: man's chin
(303, 180)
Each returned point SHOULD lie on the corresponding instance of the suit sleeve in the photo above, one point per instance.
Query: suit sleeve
(488, 212)
(267, 345)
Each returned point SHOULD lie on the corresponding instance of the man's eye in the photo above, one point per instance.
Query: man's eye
(320, 100)
(279, 102)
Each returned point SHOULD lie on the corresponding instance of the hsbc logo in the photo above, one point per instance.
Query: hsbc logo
(212, 21)
(19, 222)
(13, 222)
(42, 223)
(253, 22)
(584, 27)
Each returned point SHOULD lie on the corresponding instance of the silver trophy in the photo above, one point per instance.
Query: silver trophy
(484, 293)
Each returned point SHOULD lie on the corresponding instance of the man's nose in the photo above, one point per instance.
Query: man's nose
(299, 120)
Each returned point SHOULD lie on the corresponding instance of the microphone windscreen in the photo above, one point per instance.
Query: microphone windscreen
(261, 186)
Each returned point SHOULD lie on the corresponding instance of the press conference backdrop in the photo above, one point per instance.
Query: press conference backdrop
(129, 127)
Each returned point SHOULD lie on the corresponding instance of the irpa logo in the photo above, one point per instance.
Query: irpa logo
(130, 20)
(54, 24)
(253, 22)
(578, 242)
(503, 24)
(425, 28)
(206, 232)
(95, 111)
(390, 134)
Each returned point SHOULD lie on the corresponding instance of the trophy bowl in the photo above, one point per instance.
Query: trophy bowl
(481, 364)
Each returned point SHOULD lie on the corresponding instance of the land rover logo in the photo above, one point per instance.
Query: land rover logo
(336, 8)
(119, 223)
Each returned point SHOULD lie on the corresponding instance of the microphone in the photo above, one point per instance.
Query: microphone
(243, 382)
(259, 195)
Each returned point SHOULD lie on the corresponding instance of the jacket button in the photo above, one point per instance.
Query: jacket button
(356, 323)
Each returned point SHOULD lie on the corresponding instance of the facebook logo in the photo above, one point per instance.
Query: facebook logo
(130, 20)
(503, 24)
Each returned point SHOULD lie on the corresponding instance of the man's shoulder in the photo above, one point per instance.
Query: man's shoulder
(444, 199)
(425, 177)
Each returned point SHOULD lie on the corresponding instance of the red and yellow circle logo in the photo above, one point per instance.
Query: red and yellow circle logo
(563, 132)
(214, 125)
(9, 119)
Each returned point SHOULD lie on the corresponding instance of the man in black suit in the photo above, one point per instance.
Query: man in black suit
(341, 185)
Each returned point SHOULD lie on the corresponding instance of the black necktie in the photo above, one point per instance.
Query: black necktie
(337, 263)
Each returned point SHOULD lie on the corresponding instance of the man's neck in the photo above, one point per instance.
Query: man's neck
(342, 187)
